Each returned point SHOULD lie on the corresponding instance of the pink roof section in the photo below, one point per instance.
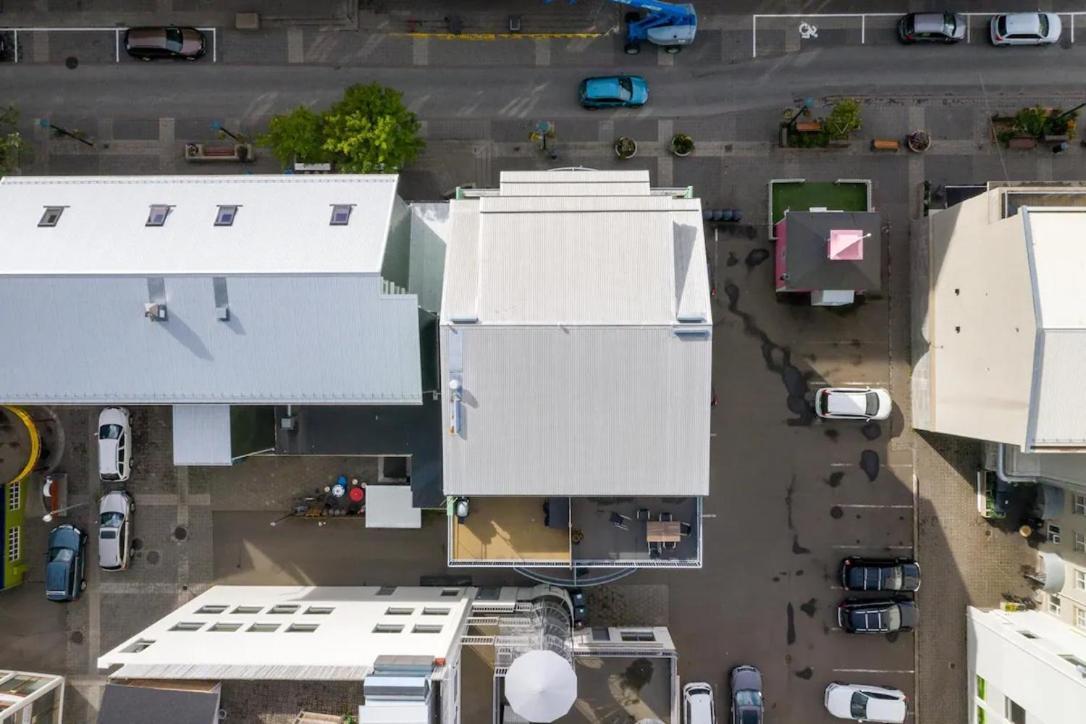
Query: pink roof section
(779, 265)
(846, 245)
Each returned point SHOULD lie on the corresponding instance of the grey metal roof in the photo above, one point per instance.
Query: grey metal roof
(150, 705)
(806, 260)
(201, 435)
(332, 339)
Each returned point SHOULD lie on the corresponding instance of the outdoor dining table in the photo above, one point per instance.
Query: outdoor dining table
(663, 531)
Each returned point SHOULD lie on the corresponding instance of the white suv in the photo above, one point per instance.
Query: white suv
(698, 704)
(860, 702)
(1026, 29)
(114, 444)
(853, 403)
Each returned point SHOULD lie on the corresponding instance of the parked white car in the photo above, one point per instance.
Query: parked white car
(861, 702)
(853, 403)
(114, 444)
(115, 530)
(698, 703)
(1026, 29)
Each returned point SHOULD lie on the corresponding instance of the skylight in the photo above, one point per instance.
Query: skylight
(225, 215)
(51, 215)
(158, 214)
(341, 214)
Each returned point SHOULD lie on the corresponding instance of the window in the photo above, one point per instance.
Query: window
(225, 627)
(263, 628)
(1014, 713)
(982, 686)
(637, 635)
(341, 214)
(225, 215)
(15, 543)
(302, 627)
(1053, 533)
(247, 609)
(284, 608)
(387, 628)
(1080, 617)
(1028, 634)
(449, 592)
(157, 215)
(15, 495)
(137, 646)
(211, 609)
(23, 685)
(399, 611)
(1054, 604)
(386, 590)
(1074, 661)
(51, 216)
(426, 628)
(1080, 542)
(982, 715)
(1078, 504)
(318, 610)
(435, 611)
(1080, 579)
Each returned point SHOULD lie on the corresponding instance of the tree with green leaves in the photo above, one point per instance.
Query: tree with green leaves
(843, 119)
(368, 131)
(12, 146)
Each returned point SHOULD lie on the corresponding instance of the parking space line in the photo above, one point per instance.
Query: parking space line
(116, 37)
(871, 505)
(874, 671)
(870, 547)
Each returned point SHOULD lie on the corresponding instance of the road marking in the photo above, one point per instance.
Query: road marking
(542, 52)
(295, 45)
(420, 51)
(874, 671)
(869, 505)
(842, 465)
(870, 547)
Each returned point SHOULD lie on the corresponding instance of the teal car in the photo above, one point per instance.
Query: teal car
(615, 91)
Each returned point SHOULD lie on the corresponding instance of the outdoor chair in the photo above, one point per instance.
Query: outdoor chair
(685, 529)
(671, 545)
(666, 517)
(654, 549)
(619, 521)
(644, 514)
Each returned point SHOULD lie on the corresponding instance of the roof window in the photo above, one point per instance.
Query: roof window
(158, 214)
(51, 215)
(426, 628)
(188, 626)
(388, 628)
(225, 215)
(284, 608)
(341, 214)
(211, 609)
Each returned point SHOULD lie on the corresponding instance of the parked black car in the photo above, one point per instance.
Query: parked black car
(874, 616)
(880, 574)
(170, 42)
(66, 563)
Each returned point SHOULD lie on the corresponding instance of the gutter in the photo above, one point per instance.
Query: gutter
(1001, 472)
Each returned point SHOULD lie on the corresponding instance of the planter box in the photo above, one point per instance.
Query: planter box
(1055, 139)
(1022, 143)
(236, 152)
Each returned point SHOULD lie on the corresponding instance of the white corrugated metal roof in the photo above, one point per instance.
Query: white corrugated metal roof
(343, 646)
(1057, 252)
(332, 339)
(580, 329)
(201, 435)
(282, 224)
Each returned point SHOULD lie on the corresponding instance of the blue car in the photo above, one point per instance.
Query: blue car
(66, 563)
(615, 91)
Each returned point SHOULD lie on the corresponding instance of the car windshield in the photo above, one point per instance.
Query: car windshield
(174, 38)
(110, 432)
(893, 618)
(872, 403)
(858, 706)
(627, 88)
(108, 533)
(750, 717)
(747, 697)
(1044, 25)
(895, 578)
(112, 520)
(1001, 26)
(63, 554)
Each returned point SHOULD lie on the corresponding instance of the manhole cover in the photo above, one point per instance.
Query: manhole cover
(836, 512)
(180, 532)
(76, 637)
(137, 544)
(71, 62)
(153, 557)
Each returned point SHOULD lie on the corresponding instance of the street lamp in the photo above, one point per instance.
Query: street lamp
(804, 107)
(46, 124)
(218, 126)
(48, 517)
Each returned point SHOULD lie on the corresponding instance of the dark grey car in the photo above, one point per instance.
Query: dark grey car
(747, 704)
(170, 42)
(931, 28)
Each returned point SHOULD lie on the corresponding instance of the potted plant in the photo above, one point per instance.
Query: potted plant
(682, 145)
(918, 141)
(625, 147)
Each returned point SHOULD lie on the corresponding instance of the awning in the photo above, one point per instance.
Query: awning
(389, 506)
(1053, 570)
(201, 435)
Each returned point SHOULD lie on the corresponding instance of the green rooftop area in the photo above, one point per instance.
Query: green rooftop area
(804, 195)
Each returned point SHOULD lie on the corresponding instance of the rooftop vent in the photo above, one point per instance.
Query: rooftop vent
(158, 214)
(225, 215)
(341, 214)
(155, 311)
(846, 245)
(51, 215)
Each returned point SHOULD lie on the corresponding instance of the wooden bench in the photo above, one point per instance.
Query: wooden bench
(1022, 143)
(809, 127)
(885, 144)
(218, 152)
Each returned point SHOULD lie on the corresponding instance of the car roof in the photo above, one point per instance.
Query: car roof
(885, 709)
(65, 536)
(114, 502)
(929, 22)
(1023, 24)
(604, 87)
(842, 401)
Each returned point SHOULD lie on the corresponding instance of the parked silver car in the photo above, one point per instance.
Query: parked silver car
(114, 444)
(115, 530)
(931, 28)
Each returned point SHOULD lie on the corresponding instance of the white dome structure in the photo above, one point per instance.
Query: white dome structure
(541, 686)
